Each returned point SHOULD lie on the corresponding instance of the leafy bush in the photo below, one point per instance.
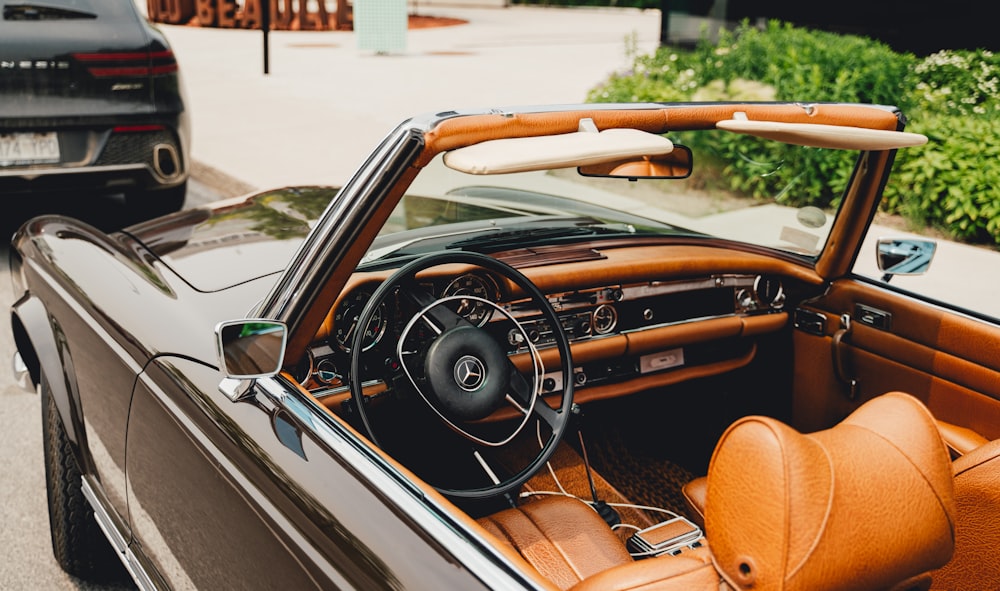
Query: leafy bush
(953, 97)
(951, 182)
(780, 62)
(792, 62)
(958, 83)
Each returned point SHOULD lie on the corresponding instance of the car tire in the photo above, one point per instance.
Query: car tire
(78, 543)
(154, 203)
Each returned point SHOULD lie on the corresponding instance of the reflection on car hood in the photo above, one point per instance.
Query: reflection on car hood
(234, 241)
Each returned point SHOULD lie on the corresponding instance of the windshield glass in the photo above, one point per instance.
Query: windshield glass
(741, 189)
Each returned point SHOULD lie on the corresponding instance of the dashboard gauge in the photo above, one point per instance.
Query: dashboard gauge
(605, 319)
(476, 312)
(769, 291)
(345, 321)
(327, 374)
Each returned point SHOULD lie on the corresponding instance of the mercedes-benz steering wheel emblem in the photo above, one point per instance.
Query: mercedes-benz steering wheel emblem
(470, 373)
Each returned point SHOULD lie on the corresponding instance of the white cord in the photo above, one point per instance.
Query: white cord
(628, 525)
(563, 492)
(552, 472)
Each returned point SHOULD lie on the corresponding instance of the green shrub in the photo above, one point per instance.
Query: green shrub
(780, 62)
(793, 62)
(951, 182)
(962, 83)
(953, 97)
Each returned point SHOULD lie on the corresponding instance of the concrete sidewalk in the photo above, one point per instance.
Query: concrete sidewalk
(326, 103)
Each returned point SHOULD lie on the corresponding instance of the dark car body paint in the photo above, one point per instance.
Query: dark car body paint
(193, 455)
(239, 240)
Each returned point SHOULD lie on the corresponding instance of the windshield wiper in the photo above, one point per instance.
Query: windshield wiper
(37, 12)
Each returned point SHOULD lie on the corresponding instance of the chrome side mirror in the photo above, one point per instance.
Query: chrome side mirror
(251, 348)
(904, 256)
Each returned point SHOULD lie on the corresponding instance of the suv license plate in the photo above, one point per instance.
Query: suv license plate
(28, 148)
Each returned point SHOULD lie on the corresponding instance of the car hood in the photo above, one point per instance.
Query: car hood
(234, 241)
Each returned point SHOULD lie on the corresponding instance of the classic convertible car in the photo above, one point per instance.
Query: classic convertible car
(587, 347)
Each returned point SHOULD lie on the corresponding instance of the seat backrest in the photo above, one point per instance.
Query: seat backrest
(863, 505)
(976, 563)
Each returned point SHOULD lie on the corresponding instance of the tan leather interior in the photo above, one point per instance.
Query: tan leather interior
(959, 440)
(976, 563)
(791, 511)
(949, 361)
(624, 266)
(783, 510)
(454, 133)
(563, 538)
(695, 493)
(976, 560)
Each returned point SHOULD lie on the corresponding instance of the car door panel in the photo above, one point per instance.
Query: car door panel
(188, 518)
(241, 471)
(896, 342)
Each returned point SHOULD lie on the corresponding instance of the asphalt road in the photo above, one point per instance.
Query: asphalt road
(24, 529)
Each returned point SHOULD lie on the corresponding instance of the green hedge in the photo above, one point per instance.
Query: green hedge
(952, 97)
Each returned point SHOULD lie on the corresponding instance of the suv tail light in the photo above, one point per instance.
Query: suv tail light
(129, 65)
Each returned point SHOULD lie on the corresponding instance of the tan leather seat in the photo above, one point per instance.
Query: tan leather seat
(561, 537)
(864, 505)
(976, 563)
(959, 440)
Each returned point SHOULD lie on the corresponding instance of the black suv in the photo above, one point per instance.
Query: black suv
(91, 101)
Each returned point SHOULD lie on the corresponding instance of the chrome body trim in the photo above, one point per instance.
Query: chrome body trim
(309, 267)
(117, 540)
(22, 377)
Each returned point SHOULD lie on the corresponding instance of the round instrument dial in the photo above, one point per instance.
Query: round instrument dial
(345, 321)
(472, 310)
(769, 291)
(605, 319)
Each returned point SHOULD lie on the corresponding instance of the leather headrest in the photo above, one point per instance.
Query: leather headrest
(863, 505)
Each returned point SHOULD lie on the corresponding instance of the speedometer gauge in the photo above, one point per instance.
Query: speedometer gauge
(474, 311)
(345, 321)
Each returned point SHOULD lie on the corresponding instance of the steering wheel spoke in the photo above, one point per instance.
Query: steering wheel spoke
(462, 371)
(437, 318)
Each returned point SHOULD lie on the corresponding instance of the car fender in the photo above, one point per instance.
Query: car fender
(40, 343)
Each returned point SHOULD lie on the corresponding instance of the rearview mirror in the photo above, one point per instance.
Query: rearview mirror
(676, 164)
(250, 349)
(904, 256)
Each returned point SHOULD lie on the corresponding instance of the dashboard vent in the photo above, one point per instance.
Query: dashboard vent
(540, 256)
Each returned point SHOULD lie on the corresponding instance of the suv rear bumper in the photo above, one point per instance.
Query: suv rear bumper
(119, 178)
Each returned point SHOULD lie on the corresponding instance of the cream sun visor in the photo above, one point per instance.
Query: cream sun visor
(823, 136)
(584, 147)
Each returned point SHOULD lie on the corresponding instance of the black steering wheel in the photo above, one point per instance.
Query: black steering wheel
(465, 373)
